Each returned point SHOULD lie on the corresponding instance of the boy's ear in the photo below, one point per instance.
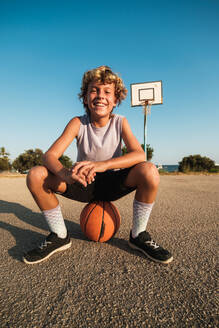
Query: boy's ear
(85, 100)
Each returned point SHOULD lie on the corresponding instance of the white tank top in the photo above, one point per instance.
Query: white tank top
(99, 144)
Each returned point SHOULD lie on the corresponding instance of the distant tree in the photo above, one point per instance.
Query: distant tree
(5, 164)
(66, 161)
(30, 158)
(3, 153)
(124, 150)
(150, 151)
(196, 163)
(33, 157)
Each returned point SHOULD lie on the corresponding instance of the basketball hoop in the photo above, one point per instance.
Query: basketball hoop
(145, 95)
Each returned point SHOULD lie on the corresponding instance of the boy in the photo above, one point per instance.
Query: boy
(101, 173)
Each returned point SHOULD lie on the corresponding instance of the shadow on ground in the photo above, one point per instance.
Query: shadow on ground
(123, 245)
(27, 239)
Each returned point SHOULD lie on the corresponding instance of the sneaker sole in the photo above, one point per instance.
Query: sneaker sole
(62, 248)
(150, 257)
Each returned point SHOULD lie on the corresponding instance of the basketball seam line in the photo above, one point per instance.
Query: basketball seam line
(102, 224)
(88, 217)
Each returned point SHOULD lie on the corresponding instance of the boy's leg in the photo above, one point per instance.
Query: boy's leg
(145, 177)
(42, 185)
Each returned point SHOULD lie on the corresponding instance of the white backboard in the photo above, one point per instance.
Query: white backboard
(151, 91)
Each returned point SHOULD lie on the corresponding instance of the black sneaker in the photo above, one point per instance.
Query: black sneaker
(145, 244)
(51, 245)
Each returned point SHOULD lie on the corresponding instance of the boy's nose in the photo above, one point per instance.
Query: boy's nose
(100, 94)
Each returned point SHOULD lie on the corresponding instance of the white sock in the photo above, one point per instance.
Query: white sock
(55, 221)
(141, 214)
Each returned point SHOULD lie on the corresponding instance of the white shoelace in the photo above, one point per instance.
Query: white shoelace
(44, 244)
(152, 243)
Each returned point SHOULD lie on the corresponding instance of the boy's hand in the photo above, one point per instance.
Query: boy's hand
(88, 169)
(78, 178)
(69, 177)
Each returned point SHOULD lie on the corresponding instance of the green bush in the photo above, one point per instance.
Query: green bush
(66, 161)
(162, 171)
(214, 169)
(150, 151)
(196, 163)
(33, 157)
(30, 158)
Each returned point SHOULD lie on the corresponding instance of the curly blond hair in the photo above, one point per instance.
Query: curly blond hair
(102, 74)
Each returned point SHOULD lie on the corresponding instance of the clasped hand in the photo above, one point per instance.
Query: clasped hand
(84, 172)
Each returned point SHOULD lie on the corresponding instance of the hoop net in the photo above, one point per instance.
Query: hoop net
(147, 106)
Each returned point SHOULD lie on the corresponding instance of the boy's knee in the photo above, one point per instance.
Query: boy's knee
(149, 173)
(36, 175)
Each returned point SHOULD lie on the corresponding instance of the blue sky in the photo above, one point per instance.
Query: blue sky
(46, 46)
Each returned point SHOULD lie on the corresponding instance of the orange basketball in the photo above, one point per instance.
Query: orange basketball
(100, 221)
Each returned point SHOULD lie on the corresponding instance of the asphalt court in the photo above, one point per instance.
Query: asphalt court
(109, 284)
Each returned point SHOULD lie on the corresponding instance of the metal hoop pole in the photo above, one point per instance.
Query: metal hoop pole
(145, 129)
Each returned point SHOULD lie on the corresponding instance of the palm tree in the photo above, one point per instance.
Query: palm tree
(3, 153)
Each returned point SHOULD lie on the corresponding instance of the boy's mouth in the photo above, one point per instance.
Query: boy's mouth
(98, 104)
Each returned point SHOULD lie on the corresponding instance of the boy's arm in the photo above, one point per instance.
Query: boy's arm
(51, 157)
(135, 153)
(134, 156)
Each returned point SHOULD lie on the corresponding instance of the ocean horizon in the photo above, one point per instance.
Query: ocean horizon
(168, 168)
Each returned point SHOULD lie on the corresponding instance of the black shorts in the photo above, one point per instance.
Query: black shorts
(108, 186)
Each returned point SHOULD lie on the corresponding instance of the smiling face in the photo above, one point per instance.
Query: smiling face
(100, 99)
(102, 75)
